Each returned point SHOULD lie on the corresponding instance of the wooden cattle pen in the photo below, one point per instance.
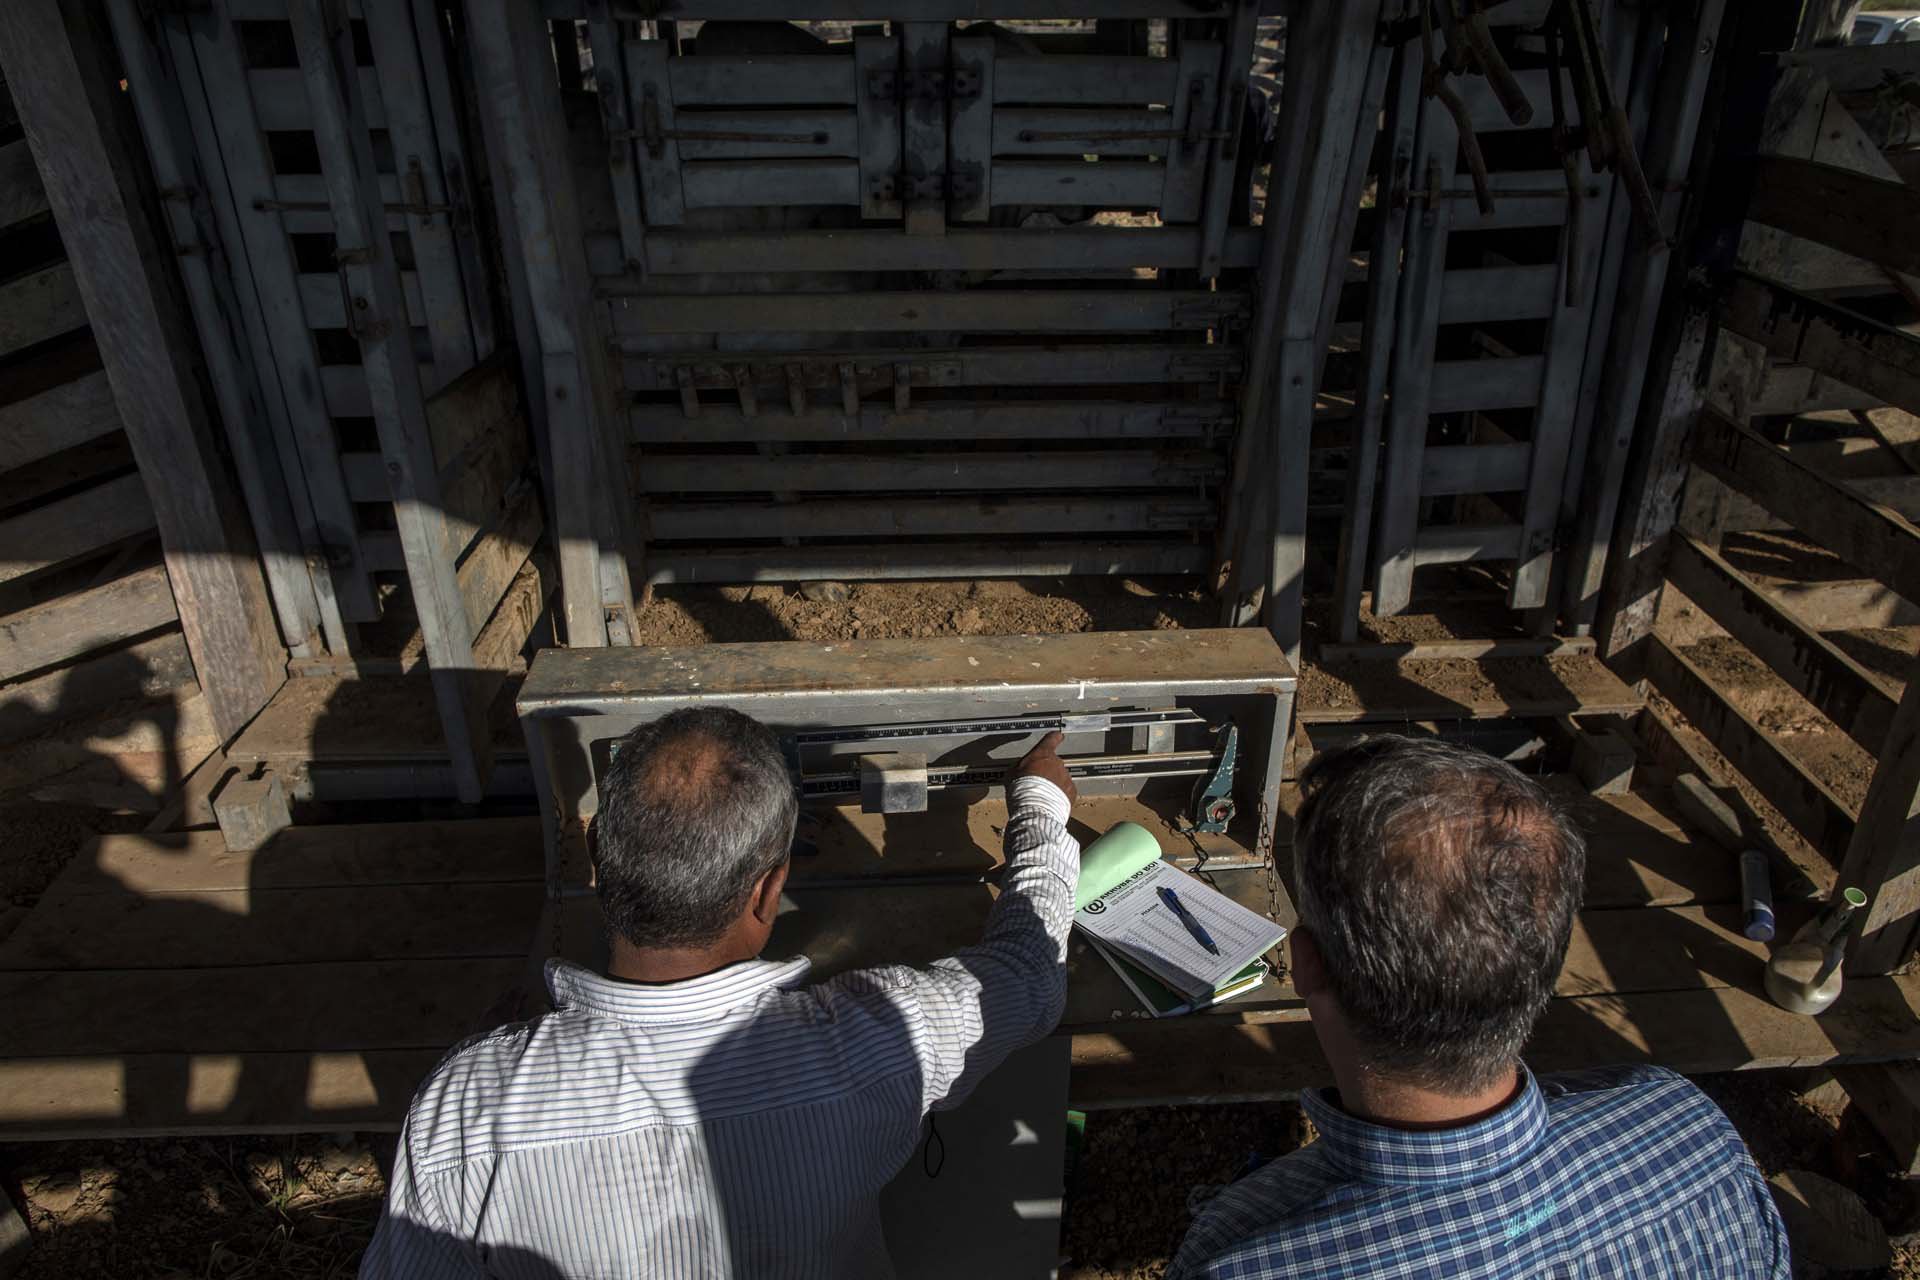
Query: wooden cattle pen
(376, 377)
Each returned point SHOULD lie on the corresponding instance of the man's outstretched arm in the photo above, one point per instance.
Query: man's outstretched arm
(967, 1012)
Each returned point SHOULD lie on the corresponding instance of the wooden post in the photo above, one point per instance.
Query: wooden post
(71, 108)
(1883, 857)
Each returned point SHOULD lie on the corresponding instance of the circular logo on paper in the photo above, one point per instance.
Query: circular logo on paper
(1097, 906)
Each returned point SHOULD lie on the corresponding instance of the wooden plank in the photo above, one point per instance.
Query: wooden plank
(70, 110)
(979, 310)
(497, 647)
(39, 305)
(907, 517)
(1888, 1094)
(1184, 165)
(83, 621)
(72, 526)
(1841, 606)
(1800, 328)
(1473, 468)
(61, 417)
(1459, 689)
(149, 668)
(1843, 690)
(1795, 389)
(919, 472)
(943, 421)
(347, 855)
(1859, 214)
(610, 86)
(493, 562)
(21, 195)
(1056, 364)
(1806, 802)
(1717, 1029)
(1829, 511)
(335, 1007)
(226, 928)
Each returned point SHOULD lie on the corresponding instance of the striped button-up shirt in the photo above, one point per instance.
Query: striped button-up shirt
(739, 1123)
(1625, 1172)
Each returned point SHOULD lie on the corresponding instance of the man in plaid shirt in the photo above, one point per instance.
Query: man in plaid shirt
(1437, 892)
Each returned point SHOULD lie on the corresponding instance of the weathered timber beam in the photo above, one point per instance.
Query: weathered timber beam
(1843, 344)
(1854, 212)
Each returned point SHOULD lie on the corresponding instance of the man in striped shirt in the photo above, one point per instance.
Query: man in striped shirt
(698, 1111)
(1437, 892)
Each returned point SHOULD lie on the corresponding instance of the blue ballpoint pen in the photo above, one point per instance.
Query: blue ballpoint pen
(1194, 927)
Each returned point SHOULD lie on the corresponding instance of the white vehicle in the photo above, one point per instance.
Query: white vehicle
(1888, 26)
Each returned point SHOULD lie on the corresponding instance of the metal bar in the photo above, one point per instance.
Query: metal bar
(1231, 136)
(1184, 159)
(917, 517)
(1678, 106)
(923, 136)
(421, 172)
(1377, 346)
(1109, 184)
(656, 425)
(228, 136)
(1092, 249)
(1569, 330)
(875, 57)
(930, 472)
(972, 131)
(976, 310)
(434, 42)
(763, 80)
(1059, 365)
(610, 86)
(586, 458)
(651, 99)
(325, 43)
(1035, 559)
(750, 184)
(1080, 80)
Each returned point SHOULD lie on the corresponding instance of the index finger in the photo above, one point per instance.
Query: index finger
(1051, 742)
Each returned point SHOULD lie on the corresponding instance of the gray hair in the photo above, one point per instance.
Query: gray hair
(694, 809)
(1440, 885)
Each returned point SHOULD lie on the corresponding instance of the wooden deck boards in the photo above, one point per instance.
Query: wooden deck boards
(1462, 689)
(166, 985)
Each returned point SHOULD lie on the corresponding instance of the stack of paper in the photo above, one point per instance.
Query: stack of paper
(1126, 917)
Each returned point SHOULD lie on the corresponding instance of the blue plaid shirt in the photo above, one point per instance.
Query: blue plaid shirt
(1623, 1172)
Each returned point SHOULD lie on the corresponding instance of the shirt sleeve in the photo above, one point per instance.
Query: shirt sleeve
(964, 1014)
(410, 1241)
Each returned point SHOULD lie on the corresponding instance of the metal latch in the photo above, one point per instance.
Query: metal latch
(923, 86)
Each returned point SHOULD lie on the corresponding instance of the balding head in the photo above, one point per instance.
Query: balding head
(1440, 886)
(695, 810)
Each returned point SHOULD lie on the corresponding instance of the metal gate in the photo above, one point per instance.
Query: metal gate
(915, 298)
